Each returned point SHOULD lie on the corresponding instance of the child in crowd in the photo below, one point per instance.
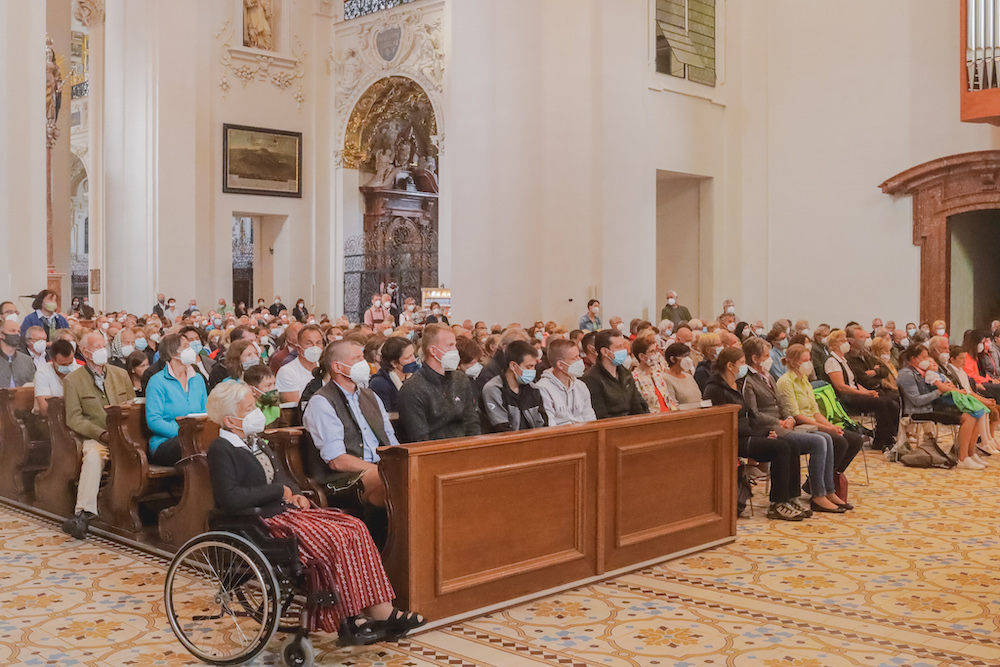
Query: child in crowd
(261, 381)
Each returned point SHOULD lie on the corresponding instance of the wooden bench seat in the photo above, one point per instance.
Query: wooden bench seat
(24, 447)
(55, 488)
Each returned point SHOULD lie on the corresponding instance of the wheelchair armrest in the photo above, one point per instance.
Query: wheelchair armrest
(250, 512)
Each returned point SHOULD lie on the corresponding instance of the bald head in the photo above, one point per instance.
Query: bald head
(292, 333)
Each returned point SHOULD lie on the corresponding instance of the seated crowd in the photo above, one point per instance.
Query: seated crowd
(405, 374)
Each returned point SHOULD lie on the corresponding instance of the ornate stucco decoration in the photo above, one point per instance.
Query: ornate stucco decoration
(401, 44)
(89, 12)
(248, 64)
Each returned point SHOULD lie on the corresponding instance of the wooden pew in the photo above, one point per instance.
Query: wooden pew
(55, 488)
(132, 479)
(479, 521)
(189, 517)
(287, 444)
(24, 453)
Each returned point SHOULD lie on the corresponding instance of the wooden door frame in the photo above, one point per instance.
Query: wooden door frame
(942, 188)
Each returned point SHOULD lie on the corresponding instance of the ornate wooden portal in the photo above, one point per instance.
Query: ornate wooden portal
(942, 188)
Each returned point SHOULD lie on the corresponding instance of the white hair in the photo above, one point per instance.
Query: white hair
(224, 401)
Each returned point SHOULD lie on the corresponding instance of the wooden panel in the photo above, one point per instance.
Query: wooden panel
(479, 521)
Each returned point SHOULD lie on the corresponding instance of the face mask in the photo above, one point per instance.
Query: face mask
(385, 304)
(217, 322)
(155, 338)
(671, 301)
(105, 325)
(576, 368)
(450, 360)
(39, 347)
(766, 364)
(940, 332)
(911, 332)
(11, 317)
(65, 370)
(127, 350)
(50, 305)
(171, 304)
(301, 304)
(276, 332)
(905, 342)
(437, 311)
(621, 327)
(410, 307)
(411, 367)
(269, 398)
(807, 333)
(806, 368)
(474, 370)
(868, 342)
(731, 327)
(360, 373)
(715, 351)
(620, 357)
(730, 310)
(254, 422)
(100, 357)
(986, 344)
(980, 348)
(539, 335)
(312, 354)
(249, 363)
(687, 364)
(277, 299)
(886, 357)
(704, 329)
(196, 347)
(759, 331)
(140, 344)
(526, 377)
(121, 320)
(595, 310)
(845, 347)
(742, 371)
(783, 344)
(925, 364)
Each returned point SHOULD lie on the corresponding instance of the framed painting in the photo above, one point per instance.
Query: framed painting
(258, 161)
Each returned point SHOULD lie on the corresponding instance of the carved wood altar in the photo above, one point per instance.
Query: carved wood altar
(942, 188)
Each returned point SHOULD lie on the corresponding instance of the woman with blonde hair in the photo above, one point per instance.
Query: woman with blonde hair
(709, 344)
(335, 546)
(882, 350)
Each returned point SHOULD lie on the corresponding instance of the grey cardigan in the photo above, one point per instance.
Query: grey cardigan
(917, 395)
(761, 402)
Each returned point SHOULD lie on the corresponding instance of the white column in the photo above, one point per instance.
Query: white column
(22, 150)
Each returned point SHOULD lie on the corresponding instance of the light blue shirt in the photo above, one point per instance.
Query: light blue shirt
(327, 431)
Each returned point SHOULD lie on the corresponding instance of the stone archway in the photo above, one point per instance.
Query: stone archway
(942, 188)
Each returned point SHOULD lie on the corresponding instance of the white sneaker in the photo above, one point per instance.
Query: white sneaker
(975, 457)
(969, 463)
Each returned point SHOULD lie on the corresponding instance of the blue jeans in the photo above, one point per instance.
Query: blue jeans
(819, 447)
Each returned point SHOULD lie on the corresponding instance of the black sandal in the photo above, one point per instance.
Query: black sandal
(365, 633)
(400, 623)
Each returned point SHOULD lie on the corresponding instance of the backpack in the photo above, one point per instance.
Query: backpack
(831, 408)
(744, 488)
(917, 448)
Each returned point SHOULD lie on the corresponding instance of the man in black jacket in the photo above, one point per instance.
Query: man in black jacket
(436, 402)
(612, 388)
(510, 401)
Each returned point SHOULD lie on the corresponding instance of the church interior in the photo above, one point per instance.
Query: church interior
(467, 215)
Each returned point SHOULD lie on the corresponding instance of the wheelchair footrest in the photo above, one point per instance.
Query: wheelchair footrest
(324, 598)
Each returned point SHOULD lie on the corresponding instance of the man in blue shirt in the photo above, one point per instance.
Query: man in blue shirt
(590, 321)
(46, 305)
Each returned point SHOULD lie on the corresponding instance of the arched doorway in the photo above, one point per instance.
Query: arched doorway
(390, 141)
(945, 191)
(79, 240)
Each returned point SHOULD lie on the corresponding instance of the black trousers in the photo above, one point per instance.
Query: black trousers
(991, 390)
(167, 454)
(784, 459)
(886, 413)
(845, 448)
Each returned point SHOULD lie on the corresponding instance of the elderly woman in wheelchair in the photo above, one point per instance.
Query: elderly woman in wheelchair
(336, 558)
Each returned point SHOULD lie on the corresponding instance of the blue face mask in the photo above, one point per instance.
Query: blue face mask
(526, 377)
(620, 357)
(196, 346)
(911, 332)
(65, 370)
(704, 329)
(784, 343)
(744, 369)
(141, 344)
(411, 367)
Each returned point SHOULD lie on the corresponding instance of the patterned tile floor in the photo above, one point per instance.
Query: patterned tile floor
(909, 578)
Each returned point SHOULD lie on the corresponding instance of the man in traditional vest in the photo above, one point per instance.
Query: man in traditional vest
(347, 423)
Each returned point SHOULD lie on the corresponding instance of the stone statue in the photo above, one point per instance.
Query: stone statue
(53, 92)
(350, 73)
(383, 167)
(257, 16)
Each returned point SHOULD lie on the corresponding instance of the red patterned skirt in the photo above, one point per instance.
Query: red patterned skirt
(340, 549)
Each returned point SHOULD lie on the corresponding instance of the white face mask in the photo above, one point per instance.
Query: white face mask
(11, 317)
(100, 357)
(940, 332)
(450, 360)
(868, 342)
(905, 342)
(845, 347)
(361, 373)
(806, 368)
(925, 364)
(155, 338)
(807, 333)
(886, 357)
(671, 301)
(105, 325)
(437, 311)
(576, 368)
(730, 310)
(127, 350)
(731, 327)
(39, 347)
(188, 356)
(254, 422)
(945, 357)
(766, 364)
(621, 327)
(980, 348)
(312, 354)
(687, 365)
(410, 307)
(474, 370)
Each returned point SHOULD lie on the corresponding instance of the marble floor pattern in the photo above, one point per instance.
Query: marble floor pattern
(908, 579)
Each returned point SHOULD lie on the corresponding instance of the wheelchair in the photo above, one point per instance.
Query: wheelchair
(229, 590)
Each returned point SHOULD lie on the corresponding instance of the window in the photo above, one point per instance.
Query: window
(355, 8)
(685, 39)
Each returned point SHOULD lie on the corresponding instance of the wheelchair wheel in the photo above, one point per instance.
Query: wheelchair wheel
(222, 598)
(298, 652)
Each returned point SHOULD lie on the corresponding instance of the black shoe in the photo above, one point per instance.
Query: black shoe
(400, 623)
(78, 524)
(819, 508)
(365, 633)
(847, 506)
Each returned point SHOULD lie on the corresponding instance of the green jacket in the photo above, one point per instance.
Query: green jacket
(85, 403)
(675, 314)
